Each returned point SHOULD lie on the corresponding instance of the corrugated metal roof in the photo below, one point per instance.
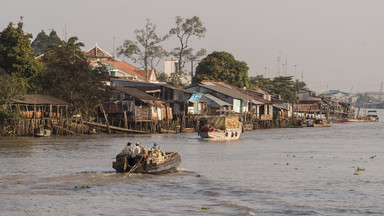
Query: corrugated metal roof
(255, 96)
(39, 100)
(256, 102)
(224, 90)
(217, 100)
(136, 93)
(178, 88)
(234, 92)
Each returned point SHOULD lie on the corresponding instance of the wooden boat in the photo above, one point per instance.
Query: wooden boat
(321, 123)
(229, 128)
(306, 123)
(42, 132)
(372, 116)
(153, 163)
(247, 127)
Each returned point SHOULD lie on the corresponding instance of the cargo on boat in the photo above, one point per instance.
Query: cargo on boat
(321, 123)
(220, 128)
(147, 161)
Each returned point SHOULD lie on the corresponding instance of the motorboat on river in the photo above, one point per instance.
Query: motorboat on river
(220, 128)
(147, 162)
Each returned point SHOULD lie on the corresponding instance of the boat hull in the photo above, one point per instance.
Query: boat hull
(40, 132)
(219, 135)
(148, 164)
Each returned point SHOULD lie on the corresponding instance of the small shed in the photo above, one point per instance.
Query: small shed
(41, 106)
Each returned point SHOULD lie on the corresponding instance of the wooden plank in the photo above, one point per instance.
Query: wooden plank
(116, 128)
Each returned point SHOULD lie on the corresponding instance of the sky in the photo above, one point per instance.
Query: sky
(329, 44)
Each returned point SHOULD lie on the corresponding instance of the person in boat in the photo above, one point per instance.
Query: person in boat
(128, 149)
(212, 128)
(155, 148)
(136, 150)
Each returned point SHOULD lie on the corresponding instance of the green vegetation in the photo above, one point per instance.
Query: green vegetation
(82, 187)
(223, 67)
(284, 86)
(18, 70)
(42, 42)
(17, 58)
(72, 79)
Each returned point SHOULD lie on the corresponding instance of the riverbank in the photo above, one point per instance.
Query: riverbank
(187, 123)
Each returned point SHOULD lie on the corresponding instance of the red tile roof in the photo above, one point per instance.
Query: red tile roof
(97, 52)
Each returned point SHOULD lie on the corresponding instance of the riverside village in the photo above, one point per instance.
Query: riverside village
(141, 103)
(63, 90)
(157, 126)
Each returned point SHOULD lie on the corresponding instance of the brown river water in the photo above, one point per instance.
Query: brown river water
(292, 171)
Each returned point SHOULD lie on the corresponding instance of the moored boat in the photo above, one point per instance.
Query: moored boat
(228, 128)
(42, 132)
(321, 123)
(158, 162)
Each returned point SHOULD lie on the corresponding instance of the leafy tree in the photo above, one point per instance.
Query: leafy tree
(9, 88)
(145, 50)
(281, 85)
(54, 39)
(184, 30)
(263, 83)
(223, 67)
(284, 86)
(43, 41)
(40, 43)
(16, 55)
(69, 77)
(176, 79)
(299, 85)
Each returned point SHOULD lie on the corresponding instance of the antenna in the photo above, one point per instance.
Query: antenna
(286, 65)
(278, 63)
(113, 52)
(65, 32)
(381, 90)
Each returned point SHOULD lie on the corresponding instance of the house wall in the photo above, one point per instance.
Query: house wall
(268, 112)
(237, 105)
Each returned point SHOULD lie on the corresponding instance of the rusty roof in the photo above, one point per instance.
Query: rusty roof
(141, 74)
(39, 100)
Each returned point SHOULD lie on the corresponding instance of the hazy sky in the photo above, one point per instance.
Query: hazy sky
(335, 44)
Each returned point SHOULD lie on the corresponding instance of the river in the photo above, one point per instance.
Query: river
(293, 171)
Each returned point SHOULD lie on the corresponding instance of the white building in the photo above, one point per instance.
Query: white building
(170, 66)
